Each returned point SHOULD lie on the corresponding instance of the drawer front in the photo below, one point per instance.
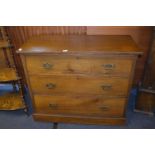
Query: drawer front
(78, 105)
(79, 84)
(48, 65)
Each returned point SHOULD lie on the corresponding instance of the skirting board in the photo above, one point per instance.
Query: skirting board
(78, 119)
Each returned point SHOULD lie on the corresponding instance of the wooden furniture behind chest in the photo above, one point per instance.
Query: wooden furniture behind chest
(79, 79)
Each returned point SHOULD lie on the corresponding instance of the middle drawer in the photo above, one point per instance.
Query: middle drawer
(79, 85)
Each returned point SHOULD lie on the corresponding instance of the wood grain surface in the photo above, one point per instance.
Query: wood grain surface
(80, 105)
(55, 64)
(68, 96)
(82, 43)
(79, 84)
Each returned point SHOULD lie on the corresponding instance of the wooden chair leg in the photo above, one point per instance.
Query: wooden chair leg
(26, 111)
(14, 87)
(55, 125)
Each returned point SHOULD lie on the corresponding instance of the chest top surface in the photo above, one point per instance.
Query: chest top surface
(118, 44)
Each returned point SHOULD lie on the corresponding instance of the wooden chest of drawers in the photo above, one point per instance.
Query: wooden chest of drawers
(79, 79)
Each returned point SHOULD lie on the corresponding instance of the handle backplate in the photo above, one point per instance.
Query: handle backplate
(50, 85)
(53, 105)
(108, 66)
(47, 66)
(106, 86)
(104, 108)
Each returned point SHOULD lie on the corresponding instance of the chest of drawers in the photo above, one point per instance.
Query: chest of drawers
(79, 79)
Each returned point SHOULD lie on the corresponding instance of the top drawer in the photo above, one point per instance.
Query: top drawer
(48, 64)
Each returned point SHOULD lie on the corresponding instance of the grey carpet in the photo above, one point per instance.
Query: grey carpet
(19, 120)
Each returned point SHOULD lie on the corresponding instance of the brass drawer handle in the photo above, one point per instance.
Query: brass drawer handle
(108, 66)
(104, 108)
(107, 87)
(50, 85)
(47, 66)
(53, 105)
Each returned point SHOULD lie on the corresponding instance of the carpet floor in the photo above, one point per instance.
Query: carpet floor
(19, 120)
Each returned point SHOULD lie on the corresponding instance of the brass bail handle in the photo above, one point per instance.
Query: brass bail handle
(53, 105)
(104, 108)
(50, 85)
(47, 66)
(109, 66)
(106, 87)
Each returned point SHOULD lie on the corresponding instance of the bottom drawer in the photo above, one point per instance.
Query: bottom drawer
(80, 105)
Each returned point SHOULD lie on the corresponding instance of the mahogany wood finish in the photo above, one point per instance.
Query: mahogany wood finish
(80, 78)
(140, 34)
